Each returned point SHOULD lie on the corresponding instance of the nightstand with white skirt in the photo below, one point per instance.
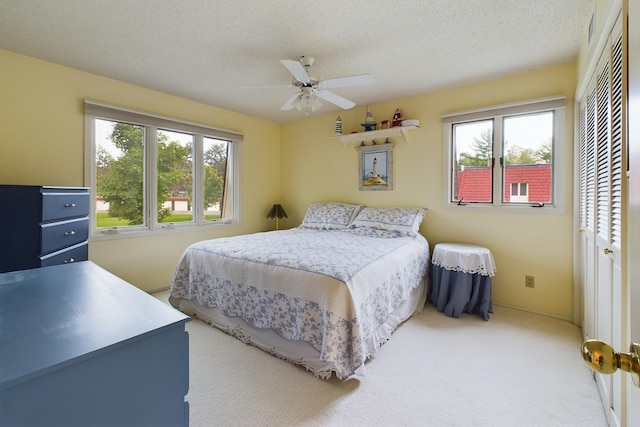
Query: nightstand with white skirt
(461, 279)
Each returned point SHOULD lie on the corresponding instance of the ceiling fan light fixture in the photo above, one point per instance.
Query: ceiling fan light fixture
(306, 100)
(307, 103)
(311, 89)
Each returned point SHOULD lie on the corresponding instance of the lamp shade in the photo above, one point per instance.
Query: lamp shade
(277, 211)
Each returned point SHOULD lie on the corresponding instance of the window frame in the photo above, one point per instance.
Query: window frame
(152, 125)
(497, 113)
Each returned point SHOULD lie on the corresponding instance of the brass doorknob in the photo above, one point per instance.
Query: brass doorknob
(607, 251)
(601, 357)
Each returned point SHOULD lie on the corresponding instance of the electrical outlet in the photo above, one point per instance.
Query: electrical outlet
(530, 281)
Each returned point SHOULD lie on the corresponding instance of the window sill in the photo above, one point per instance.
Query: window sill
(547, 209)
(164, 230)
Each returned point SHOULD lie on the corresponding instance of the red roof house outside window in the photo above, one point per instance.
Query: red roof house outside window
(474, 183)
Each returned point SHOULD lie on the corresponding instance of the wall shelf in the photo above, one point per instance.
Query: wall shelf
(377, 134)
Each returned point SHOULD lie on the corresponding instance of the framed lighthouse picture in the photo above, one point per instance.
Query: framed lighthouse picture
(376, 167)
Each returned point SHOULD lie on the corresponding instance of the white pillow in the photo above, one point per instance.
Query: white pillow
(404, 220)
(330, 216)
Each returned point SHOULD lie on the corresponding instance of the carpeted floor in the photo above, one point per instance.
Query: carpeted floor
(517, 369)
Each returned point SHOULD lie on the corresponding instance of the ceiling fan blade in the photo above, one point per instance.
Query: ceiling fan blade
(335, 99)
(296, 68)
(358, 80)
(289, 104)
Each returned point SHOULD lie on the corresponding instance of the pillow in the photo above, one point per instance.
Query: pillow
(330, 216)
(403, 220)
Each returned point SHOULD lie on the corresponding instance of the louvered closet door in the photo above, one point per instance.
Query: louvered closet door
(603, 264)
(601, 209)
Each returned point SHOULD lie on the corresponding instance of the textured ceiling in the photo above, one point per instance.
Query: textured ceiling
(203, 49)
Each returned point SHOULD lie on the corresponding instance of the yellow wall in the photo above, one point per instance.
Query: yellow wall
(318, 168)
(42, 143)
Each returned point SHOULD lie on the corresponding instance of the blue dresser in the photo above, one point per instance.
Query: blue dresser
(43, 226)
(81, 347)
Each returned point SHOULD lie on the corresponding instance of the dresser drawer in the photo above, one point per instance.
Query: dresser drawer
(64, 204)
(62, 234)
(76, 253)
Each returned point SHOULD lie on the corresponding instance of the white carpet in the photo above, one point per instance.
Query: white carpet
(517, 369)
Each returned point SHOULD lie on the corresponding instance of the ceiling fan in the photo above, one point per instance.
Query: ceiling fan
(311, 88)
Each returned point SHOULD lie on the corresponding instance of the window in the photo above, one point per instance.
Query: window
(504, 156)
(519, 192)
(153, 174)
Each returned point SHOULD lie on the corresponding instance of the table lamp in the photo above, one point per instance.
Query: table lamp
(277, 212)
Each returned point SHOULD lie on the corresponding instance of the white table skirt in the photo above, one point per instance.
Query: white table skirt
(461, 279)
(464, 258)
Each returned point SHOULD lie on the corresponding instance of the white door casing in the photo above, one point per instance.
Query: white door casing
(632, 393)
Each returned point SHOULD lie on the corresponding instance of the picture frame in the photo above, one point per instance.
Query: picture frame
(376, 167)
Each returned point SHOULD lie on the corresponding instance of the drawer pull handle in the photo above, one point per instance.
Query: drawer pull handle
(69, 205)
(69, 261)
(69, 233)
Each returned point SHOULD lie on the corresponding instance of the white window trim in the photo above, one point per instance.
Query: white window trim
(559, 147)
(96, 110)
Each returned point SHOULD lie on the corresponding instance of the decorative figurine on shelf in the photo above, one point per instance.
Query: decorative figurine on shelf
(369, 121)
(397, 118)
(338, 126)
(384, 124)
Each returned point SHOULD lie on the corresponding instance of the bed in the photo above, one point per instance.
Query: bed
(325, 295)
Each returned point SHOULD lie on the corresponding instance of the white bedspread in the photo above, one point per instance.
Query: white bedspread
(330, 289)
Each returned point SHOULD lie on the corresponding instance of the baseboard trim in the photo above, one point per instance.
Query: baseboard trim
(156, 290)
(541, 313)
